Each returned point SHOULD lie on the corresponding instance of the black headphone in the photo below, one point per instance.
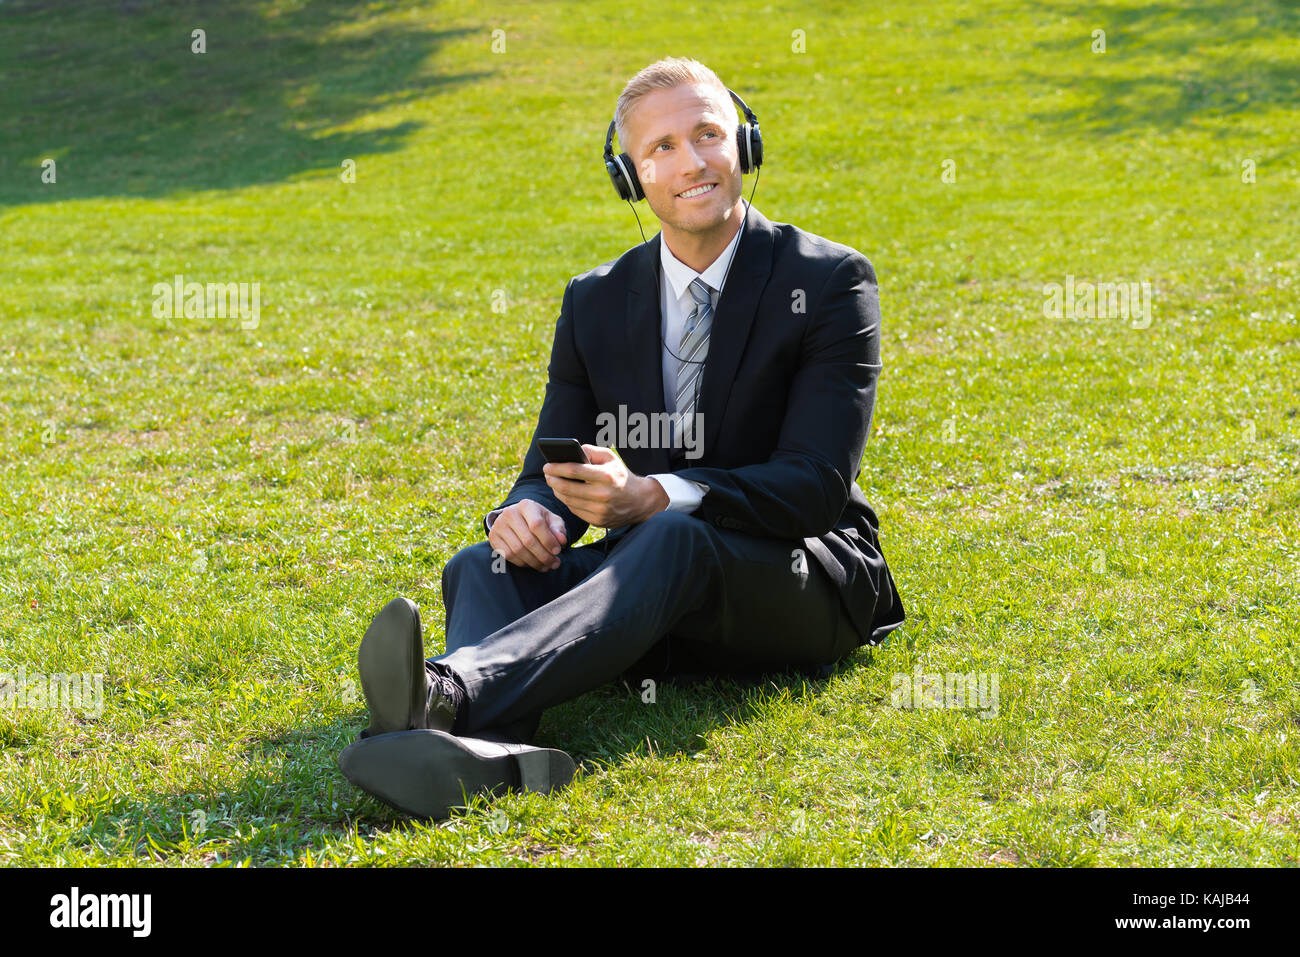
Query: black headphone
(622, 171)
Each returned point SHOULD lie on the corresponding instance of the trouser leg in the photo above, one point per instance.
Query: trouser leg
(482, 594)
(742, 599)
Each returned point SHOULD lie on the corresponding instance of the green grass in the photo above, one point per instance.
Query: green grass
(1103, 516)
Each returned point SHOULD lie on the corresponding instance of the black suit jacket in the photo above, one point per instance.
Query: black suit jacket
(787, 394)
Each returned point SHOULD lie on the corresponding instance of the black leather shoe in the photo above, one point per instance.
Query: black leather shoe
(426, 773)
(396, 683)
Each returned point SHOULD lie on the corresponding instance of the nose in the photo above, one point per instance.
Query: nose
(694, 161)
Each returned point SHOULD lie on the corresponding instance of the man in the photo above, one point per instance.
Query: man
(742, 543)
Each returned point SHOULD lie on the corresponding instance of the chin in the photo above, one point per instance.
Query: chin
(698, 220)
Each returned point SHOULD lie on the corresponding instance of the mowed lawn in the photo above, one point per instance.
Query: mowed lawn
(1098, 511)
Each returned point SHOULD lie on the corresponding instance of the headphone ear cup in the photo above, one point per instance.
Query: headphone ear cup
(623, 175)
(616, 177)
(637, 192)
(750, 143)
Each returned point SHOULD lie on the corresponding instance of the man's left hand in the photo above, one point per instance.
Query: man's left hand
(609, 496)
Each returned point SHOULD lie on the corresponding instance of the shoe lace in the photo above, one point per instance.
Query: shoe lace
(441, 690)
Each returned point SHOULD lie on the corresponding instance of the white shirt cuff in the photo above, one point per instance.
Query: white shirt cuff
(683, 494)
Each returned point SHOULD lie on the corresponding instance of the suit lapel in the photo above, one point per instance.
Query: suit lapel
(732, 322)
(644, 338)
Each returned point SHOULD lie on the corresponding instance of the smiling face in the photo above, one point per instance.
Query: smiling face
(684, 138)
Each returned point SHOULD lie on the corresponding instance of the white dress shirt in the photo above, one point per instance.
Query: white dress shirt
(677, 304)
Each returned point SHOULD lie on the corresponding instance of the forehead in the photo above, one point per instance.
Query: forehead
(669, 112)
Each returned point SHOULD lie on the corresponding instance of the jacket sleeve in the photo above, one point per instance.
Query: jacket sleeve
(801, 490)
(568, 411)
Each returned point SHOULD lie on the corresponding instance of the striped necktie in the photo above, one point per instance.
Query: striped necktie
(693, 350)
(694, 347)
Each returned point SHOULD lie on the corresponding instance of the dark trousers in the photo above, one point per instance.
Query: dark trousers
(673, 591)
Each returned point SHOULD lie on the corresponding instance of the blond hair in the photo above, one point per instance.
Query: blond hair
(661, 75)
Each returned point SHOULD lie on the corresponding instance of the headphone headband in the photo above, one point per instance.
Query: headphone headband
(609, 142)
(749, 114)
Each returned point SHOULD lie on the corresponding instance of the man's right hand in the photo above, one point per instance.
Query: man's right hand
(529, 535)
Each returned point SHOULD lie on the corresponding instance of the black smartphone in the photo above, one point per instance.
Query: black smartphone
(563, 450)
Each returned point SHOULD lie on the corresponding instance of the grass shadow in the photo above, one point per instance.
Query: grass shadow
(115, 95)
(674, 715)
(1213, 73)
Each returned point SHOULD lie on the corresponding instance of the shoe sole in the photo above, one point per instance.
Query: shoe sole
(391, 662)
(427, 773)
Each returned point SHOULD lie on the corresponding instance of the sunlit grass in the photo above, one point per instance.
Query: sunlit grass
(1103, 516)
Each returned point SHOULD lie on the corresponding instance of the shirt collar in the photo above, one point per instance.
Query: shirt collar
(681, 275)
